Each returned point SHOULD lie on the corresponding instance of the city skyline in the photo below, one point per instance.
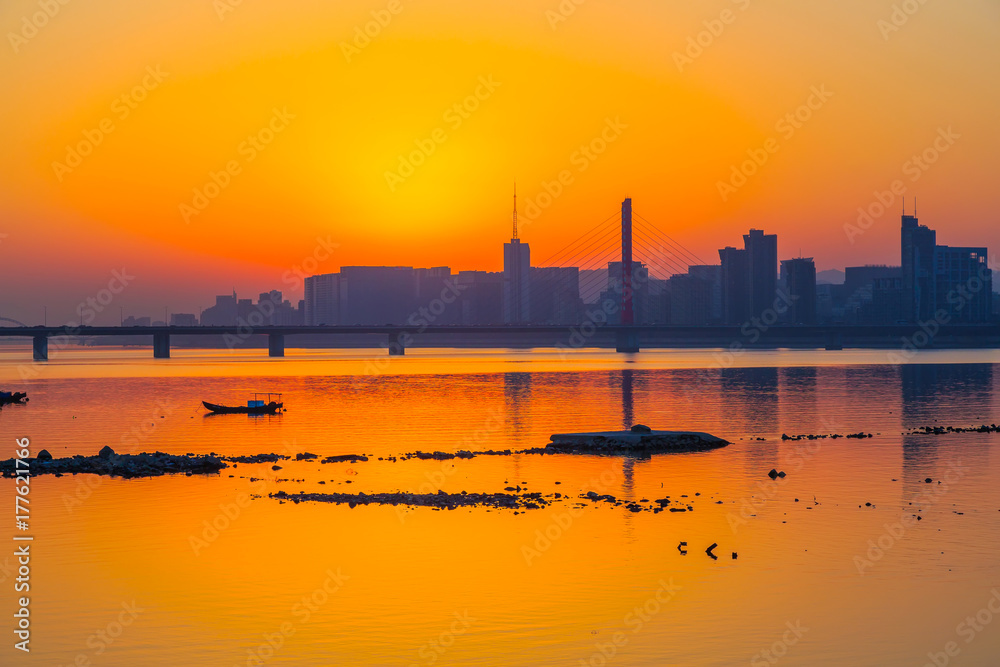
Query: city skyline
(745, 283)
(655, 118)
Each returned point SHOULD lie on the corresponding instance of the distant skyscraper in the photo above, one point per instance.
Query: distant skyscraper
(377, 295)
(874, 295)
(963, 284)
(800, 282)
(711, 274)
(735, 285)
(762, 263)
(555, 295)
(954, 280)
(223, 313)
(322, 299)
(917, 248)
(516, 278)
(482, 297)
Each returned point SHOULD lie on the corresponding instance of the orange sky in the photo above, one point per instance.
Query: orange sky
(345, 115)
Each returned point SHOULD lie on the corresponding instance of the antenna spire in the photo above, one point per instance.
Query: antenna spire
(515, 212)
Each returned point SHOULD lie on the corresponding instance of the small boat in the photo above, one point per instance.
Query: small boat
(256, 406)
(7, 397)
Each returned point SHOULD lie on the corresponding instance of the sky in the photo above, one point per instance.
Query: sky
(202, 146)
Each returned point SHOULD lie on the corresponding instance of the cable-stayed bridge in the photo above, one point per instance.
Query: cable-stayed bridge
(587, 292)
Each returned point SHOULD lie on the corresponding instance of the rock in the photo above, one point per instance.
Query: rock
(634, 443)
(43, 456)
(435, 501)
(781, 474)
(275, 467)
(255, 458)
(122, 465)
(773, 474)
(344, 457)
(305, 456)
(640, 428)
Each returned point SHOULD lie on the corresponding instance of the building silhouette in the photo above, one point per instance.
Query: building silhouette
(516, 278)
(749, 277)
(943, 282)
(555, 295)
(871, 294)
(735, 285)
(695, 298)
(762, 263)
(376, 295)
(482, 297)
(917, 260)
(322, 300)
(953, 284)
(223, 313)
(798, 277)
(183, 320)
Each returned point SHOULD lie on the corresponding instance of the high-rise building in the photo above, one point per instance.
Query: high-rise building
(859, 277)
(917, 249)
(696, 296)
(322, 300)
(749, 277)
(799, 279)
(955, 281)
(482, 297)
(516, 278)
(223, 313)
(873, 294)
(735, 285)
(555, 295)
(963, 284)
(377, 295)
(436, 291)
(762, 264)
(712, 275)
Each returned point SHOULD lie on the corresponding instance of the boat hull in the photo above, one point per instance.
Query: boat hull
(13, 398)
(269, 409)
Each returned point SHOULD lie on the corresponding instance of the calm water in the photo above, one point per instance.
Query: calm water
(330, 585)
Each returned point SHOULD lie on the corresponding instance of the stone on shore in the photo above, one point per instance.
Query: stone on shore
(635, 442)
(119, 465)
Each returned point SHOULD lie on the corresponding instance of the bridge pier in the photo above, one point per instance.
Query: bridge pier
(397, 347)
(276, 345)
(161, 346)
(627, 341)
(40, 348)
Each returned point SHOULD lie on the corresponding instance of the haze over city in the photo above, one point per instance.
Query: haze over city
(333, 107)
